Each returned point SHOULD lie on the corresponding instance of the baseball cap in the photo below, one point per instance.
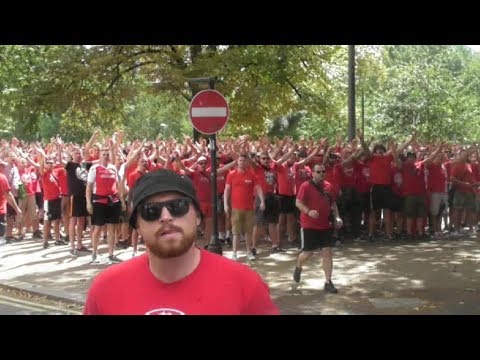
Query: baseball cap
(160, 181)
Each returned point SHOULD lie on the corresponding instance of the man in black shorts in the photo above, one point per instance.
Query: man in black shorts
(316, 202)
(77, 172)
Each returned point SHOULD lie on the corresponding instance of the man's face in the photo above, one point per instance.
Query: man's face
(11, 158)
(169, 236)
(241, 162)
(319, 173)
(142, 163)
(105, 155)
(76, 156)
(264, 159)
(49, 162)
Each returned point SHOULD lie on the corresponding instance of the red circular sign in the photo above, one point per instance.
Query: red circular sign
(209, 112)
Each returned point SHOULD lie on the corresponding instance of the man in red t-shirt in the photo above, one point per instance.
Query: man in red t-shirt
(463, 180)
(52, 202)
(105, 203)
(201, 175)
(174, 277)
(240, 189)
(316, 201)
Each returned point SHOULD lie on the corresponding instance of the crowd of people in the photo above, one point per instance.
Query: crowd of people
(308, 193)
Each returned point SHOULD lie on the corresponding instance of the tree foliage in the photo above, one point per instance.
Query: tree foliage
(293, 90)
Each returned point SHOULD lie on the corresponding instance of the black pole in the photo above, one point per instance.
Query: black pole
(351, 92)
(363, 112)
(215, 245)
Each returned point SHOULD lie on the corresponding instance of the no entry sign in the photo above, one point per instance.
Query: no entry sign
(209, 112)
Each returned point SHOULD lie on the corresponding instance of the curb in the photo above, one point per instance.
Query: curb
(78, 299)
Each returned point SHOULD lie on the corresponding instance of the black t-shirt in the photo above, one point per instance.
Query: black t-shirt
(77, 177)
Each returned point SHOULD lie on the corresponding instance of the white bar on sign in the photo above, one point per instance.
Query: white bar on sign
(209, 111)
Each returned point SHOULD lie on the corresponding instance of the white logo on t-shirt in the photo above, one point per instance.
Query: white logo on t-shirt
(164, 311)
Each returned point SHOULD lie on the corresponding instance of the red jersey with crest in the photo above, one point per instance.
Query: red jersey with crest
(104, 180)
(130, 288)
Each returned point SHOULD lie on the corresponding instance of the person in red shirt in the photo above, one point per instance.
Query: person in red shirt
(346, 174)
(437, 186)
(316, 202)
(174, 277)
(201, 175)
(239, 199)
(287, 184)
(132, 179)
(52, 201)
(381, 196)
(105, 202)
(414, 191)
(61, 174)
(464, 182)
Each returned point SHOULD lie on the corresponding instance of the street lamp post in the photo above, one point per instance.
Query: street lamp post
(215, 245)
(351, 92)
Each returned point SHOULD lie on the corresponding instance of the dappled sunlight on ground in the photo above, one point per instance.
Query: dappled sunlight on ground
(437, 277)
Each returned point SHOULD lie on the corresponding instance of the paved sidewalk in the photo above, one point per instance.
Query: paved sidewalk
(436, 277)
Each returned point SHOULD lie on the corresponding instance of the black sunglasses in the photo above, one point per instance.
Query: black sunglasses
(265, 158)
(176, 208)
(321, 171)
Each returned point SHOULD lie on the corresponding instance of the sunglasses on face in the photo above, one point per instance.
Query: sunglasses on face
(265, 158)
(321, 171)
(176, 208)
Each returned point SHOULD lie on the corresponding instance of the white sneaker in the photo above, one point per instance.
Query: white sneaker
(234, 256)
(95, 259)
(250, 257)
(134, 254)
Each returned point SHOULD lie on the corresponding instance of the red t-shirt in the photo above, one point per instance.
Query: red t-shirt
(104, 180)
(28, 176)
(362, 177)
(51, 187)
(397, 181)
(286, 180)
(266, 178)
(413, 177)
(242, 189)
(314, 200)
(202, 184)
(35, 181)
(462, 172)
(476, 176)
(4, 188)
(130, 288)
(221, 181)
(329, 175)
(132, 178)
(302, 174)
(61, 174)
(437, 178)
(151, 166)
(345, 176)
(380, 173)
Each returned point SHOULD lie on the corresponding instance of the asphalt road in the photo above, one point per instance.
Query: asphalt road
(11, 305)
